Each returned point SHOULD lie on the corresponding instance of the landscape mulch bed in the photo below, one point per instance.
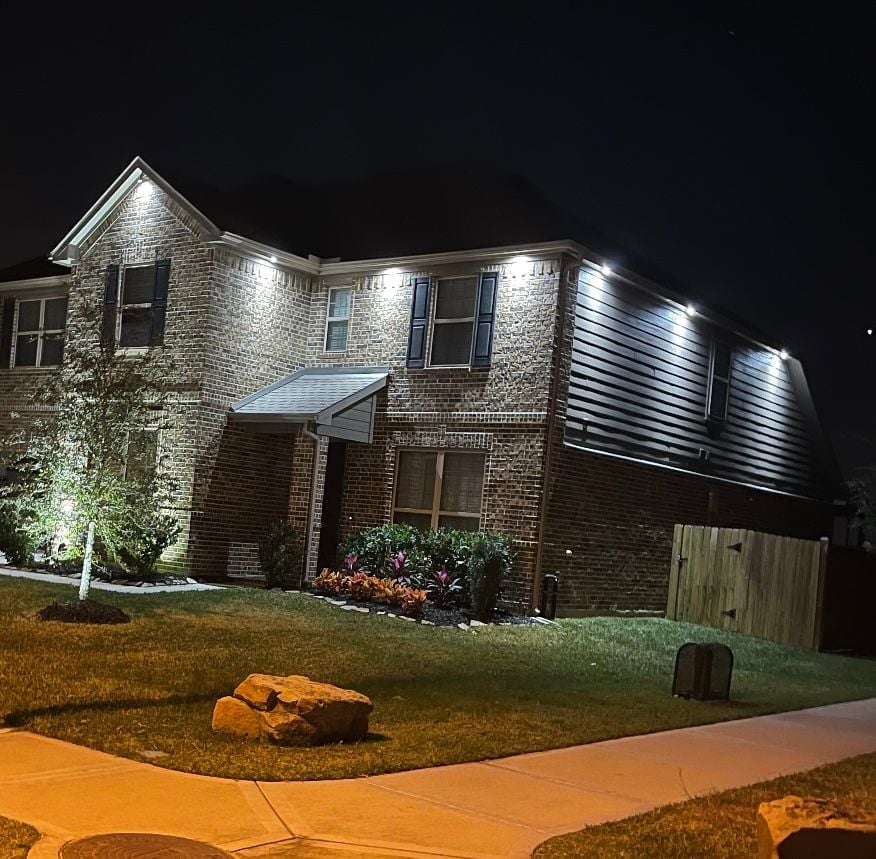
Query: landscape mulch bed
(432, 615)
(82, 611)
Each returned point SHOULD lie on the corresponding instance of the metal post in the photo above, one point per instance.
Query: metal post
(549, 587)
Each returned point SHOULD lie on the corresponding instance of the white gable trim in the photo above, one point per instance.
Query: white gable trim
(67, 250)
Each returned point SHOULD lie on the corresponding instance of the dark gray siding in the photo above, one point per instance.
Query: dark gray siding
(355, 423)
(638, 383)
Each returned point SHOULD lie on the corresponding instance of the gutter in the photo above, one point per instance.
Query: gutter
(312, 511)
(565, 283)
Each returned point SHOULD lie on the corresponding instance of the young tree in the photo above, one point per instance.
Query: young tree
(80, 489)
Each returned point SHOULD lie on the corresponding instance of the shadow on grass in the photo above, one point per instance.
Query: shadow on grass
(19, 718)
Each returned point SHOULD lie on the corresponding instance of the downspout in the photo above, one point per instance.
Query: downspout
(559, 334)
(310, 515)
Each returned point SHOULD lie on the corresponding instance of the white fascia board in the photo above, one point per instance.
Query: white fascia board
(264, 252)
(419, 262)
(55, 281)
(67, 250)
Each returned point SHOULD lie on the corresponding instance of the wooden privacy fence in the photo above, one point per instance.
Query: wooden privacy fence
(757, 584)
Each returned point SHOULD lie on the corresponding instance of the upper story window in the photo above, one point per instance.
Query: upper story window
(439, 489)
(453, 321)
(459, 322)
(39, 332)
(719, 381)
(135, 305)
(337, 325)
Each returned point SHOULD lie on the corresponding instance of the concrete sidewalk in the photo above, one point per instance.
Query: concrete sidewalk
(497, 808)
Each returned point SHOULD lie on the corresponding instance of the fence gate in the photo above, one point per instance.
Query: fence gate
(757, 584)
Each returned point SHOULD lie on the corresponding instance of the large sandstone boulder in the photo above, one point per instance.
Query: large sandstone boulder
(293, 711)
(795, 828)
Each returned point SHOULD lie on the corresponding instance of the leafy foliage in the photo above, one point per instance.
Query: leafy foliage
(71, 462)
(362, 587)
(444, 589)
(491, 560)
(419, 558)
(329, 583)
(281, 556)
(862, 495)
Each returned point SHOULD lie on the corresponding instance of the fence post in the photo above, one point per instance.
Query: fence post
(817, 631)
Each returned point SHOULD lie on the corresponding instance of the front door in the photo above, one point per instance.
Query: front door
(327, 555)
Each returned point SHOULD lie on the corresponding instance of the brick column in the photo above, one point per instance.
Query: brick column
(306, 494)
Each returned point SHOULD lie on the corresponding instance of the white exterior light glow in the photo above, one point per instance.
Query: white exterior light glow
(273, 259)
(606, 269)
(783, 355)
(691, 310)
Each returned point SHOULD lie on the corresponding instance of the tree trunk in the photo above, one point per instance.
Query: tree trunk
(85, 581)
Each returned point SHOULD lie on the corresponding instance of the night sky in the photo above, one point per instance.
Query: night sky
(732, 147)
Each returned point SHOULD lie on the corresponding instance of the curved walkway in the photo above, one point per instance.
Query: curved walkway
(480, 810)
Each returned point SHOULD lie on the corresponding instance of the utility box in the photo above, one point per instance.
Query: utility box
(703, 672)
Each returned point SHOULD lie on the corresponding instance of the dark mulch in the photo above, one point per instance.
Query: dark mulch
(438, 616)
(83, 611)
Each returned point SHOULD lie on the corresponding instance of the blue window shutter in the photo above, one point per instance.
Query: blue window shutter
(419, 322)
(485, 320)
(6, 332)
(159, 300)
(110, 303)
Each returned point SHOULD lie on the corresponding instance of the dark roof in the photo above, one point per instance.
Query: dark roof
(396, 214)
(31, 269)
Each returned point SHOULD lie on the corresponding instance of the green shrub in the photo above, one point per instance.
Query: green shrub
(375, 546)
(491, 559)
(142, 542)
(14, 540)
(281, 556)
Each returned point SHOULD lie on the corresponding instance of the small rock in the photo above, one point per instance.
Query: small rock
(476, 623)
(794, 826)
(427, 622)
(152, 754)
(317, 596)
(462, 625)
(405, 617)
(335, 602)
(381, 612)
(349, 607)
(390, 614)
(191, 581)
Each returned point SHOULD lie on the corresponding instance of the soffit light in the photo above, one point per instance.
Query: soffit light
(690, 310)
(606, 269)
(784, 354)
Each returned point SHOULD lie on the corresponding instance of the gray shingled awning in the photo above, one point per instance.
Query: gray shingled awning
(338, 400)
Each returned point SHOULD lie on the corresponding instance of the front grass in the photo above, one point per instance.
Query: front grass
(441, 695)
(16, 838)
(721, 826)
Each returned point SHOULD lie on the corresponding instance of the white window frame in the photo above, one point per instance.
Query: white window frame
(433, 320)
(713, 377)
(436, 512)
(120, 308)
(329, 319)
(40, 332)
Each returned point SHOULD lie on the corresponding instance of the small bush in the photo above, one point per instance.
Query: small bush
(281, 556)
(14, 541)
(373, 548)
(328, 583)
(491, 560)
(444, 589)
(360, 587)
(141, 543)
(413, 600)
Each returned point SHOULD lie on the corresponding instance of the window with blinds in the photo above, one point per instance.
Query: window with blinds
(439, 489)
(453, 322)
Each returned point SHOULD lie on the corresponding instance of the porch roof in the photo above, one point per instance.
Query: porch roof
(336, 399)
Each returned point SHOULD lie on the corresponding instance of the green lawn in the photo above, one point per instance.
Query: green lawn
(441, 695)
(721, 826)
(15, 838)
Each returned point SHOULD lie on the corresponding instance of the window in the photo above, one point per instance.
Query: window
(135, 307)
(141, 456)
(453, 322)
(39, 333)
(338, 319)
(439, 489)
(719, 381)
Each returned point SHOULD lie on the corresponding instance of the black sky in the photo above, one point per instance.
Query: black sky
(732, 145)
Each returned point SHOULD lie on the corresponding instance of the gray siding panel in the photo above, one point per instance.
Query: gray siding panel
(354, 423)
(638, 383)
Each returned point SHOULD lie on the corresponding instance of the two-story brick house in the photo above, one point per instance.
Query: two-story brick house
(526, 389)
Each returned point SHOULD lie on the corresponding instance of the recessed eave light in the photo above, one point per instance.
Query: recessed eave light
(273, 258)
(606, 269)
(690, 310)
(783, 354)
